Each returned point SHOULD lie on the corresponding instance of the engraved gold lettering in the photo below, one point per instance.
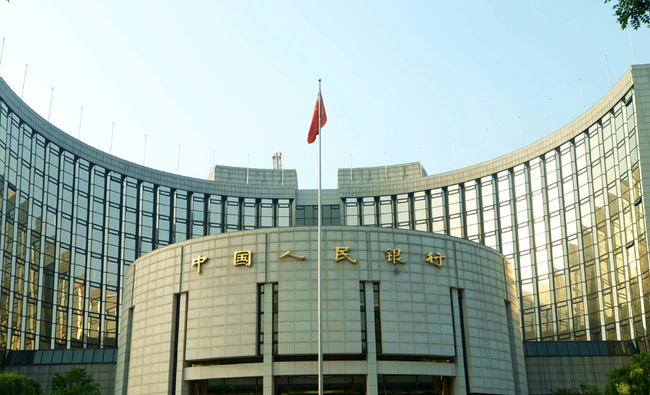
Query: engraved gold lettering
(343, 253)
(243, 258)
(198, 261)
(392, 255)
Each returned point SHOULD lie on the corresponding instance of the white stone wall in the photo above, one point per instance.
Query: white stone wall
(420, 309)
(222, 302)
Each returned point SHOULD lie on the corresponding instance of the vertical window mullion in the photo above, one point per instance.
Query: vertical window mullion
(364, 329)
(377, 311)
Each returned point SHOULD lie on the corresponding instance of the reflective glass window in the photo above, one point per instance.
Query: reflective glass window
(351, 212)
(215, 213)
(386, 211)
(232, 214)
(368, 215)
(181, 213)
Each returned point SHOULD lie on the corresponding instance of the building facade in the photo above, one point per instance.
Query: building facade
(568, 211)
(419, 312)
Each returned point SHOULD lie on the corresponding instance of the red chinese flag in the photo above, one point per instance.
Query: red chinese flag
(313, 128)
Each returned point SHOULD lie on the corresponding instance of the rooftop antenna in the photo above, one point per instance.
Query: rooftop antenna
(420, 161)
(552, 119)
(50, 110)
(583, 96)
(610, 78)
(212, 158)
(454, 144)
(248, 163)
(178, 164)
(144, 156)
(24, 79)
(110, 150)
(80, 117)
(386, 166)
(521, 131)
(277, 165)
(632, 45)
(3, 49)
(277, 161)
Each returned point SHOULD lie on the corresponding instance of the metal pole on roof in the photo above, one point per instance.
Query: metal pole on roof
(110, 150)
(552, 119)
(487, 137)
(521, 131)
(144, 156)
(3, 50)
(81, 114)
(50, 110)
(454, 144)
(386, 166)
(583, 96)
(632, 45)
(608, 76)
(24, 79)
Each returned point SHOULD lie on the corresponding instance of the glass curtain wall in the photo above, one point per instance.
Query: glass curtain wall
(71, 228)
(571, 221)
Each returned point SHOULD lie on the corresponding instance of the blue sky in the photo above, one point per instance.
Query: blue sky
(239, 78)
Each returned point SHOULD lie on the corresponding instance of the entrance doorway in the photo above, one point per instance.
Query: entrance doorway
(412, 385)
(332, 385)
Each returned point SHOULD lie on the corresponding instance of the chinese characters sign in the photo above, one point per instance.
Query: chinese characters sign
(243, 258)
(393, 256)
(343, 253)
(288, 253)
(198, 261)
(438, 258)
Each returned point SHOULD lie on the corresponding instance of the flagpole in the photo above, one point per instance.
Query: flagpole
(320, 300)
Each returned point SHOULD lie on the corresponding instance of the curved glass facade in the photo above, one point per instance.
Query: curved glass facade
(571, 219)
(71, 228)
